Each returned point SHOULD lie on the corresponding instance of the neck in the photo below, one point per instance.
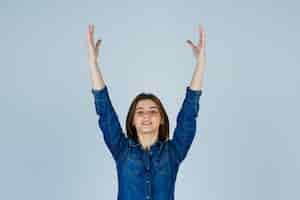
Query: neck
(146, 140)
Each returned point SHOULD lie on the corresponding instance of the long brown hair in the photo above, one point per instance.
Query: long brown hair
(163, 134)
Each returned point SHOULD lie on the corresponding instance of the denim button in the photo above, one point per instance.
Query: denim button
(147, 197)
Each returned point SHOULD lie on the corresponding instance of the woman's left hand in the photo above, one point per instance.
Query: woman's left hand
(198, 50)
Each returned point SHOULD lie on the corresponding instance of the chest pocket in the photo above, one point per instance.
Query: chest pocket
(134, 165)
(162, 166)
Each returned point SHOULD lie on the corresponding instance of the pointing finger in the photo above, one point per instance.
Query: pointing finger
(201, 37)
(91, 35)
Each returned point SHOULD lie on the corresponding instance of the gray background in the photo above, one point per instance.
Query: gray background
(246, 144)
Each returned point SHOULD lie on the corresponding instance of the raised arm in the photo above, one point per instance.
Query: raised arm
(109, 123)
(108, 119)
(185, 129)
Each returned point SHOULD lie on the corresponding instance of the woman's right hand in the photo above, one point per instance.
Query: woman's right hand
(93, 49)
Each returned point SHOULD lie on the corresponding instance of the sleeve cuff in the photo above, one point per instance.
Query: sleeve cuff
(100, 94)
(193, 95)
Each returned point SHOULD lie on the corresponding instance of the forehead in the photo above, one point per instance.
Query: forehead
(146, 103)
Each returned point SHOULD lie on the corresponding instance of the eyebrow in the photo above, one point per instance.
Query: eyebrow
(149, 107)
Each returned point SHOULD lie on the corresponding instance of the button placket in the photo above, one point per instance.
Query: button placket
(148, 185)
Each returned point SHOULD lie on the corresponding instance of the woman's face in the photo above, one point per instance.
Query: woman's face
(147, 118)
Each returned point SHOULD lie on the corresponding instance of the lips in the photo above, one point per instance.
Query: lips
(146, 124)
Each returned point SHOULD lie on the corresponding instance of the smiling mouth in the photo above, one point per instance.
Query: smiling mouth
(146, 124)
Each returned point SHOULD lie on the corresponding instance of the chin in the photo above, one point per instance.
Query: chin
(147, 131)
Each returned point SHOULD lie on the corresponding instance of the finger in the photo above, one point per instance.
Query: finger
(191, 43)
(91, 27)
(98, 43)
(201, 37)
(90, 35)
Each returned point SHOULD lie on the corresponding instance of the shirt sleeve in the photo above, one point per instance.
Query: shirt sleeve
(108, 122)
(185, 129)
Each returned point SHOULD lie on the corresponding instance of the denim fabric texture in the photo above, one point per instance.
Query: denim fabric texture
(147, 174)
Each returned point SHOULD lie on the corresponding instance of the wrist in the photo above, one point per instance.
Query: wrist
(93, 63)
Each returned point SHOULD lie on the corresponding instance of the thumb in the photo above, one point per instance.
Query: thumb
(190, 43)
(98, 43)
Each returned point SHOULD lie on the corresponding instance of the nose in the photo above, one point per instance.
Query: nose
(146, 115)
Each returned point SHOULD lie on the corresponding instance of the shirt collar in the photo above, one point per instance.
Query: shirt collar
(133, 143)
(157, 146)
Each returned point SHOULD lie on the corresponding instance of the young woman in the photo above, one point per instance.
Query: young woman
(147, 161)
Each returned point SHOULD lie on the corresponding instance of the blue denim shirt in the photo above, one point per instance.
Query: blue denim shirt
(147, 174)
